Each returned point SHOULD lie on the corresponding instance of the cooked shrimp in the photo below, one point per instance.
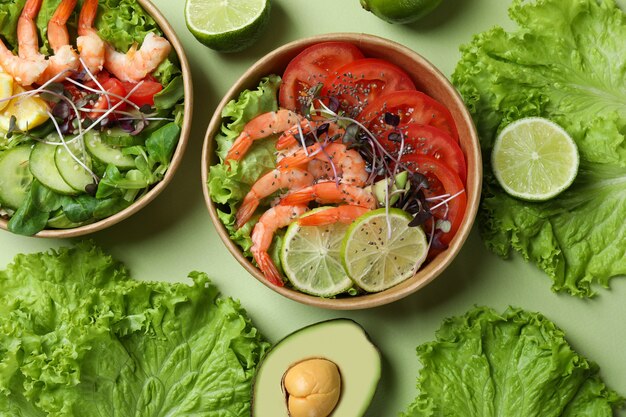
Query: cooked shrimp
(288, 138)
(136, 64)
(24, 71)
(331, 193)
(90, 45)
(348, 162)
(275, 180)
(65, 58)
(340, 214)
(262, 126)
(263, 234)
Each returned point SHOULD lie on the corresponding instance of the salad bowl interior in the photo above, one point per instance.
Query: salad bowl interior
(177, 155)
(428, 79)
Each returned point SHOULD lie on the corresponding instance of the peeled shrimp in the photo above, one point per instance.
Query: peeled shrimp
(24, 71)
(340, 214)
(136, 64)
(65, 58)
(263, 234)
(347, 162)
(331, 193)
(262, 126)
(90, 45)
(277, 179)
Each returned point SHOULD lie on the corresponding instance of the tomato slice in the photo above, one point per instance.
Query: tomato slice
(311, 67)
(362, 81)
(441, 181)
(114, 86)
(410, 107)
(101, 77)
(144, 94)
(427, 140)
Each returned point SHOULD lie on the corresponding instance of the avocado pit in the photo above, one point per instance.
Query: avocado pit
(312, 388)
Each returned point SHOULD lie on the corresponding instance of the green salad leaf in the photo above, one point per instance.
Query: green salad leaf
(229, 183)
(515, 364)
(79, 337)
(566, 62)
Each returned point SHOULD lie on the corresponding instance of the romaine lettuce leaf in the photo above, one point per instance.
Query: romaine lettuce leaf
(229, 183)
(78, 337)
(515, 364)
(565, 63)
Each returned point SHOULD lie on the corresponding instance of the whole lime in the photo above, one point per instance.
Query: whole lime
(227, 25)
(400, 11)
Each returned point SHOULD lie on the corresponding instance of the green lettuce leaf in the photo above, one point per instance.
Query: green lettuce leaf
(229, 183)
(515, 364)
(566, 63)
(78, 337)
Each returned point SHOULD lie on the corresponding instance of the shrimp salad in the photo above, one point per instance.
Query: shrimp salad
(344, 132)
(91, 108)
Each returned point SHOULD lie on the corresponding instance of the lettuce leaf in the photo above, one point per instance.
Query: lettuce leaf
(512, 364)
(566, 63)
(78, 337)
(229, 183)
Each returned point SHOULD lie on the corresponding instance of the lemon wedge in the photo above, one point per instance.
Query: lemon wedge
(29, 112)
(6, 89)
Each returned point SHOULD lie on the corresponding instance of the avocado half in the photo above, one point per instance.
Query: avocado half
(341, 341)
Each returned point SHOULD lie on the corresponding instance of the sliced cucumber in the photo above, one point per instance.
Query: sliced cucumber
(43, 168)
(106, 153)
(72, 172)
(118, 137)
(15, 177)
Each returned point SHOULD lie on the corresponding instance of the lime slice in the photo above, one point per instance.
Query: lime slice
(400, 11)
(311, 258)
(534, 159)
(227, 25)
(376, 259)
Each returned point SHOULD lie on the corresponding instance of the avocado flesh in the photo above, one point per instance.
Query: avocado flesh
(341, 341)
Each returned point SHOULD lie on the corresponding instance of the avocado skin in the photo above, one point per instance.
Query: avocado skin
(328, 335)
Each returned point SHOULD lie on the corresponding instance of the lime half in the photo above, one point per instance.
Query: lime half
(534, 159)
(311, 258)
(380, 250)
(227, 25)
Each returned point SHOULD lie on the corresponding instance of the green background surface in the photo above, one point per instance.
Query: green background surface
(174, 234)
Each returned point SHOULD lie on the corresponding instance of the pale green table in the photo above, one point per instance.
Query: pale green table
(174, 234)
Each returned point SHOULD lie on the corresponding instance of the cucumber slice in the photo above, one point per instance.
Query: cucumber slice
(72, 172)
(15, 177)
(106, 153)
(43, 168)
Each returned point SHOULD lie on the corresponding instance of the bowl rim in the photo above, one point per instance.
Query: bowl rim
(427, 273)
(177, 157)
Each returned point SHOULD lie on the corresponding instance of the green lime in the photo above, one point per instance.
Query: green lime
(380, 250)
(400, 11)
(311, 258)
(227, 25)
(534, 159)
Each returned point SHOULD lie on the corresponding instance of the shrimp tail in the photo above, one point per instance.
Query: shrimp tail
(240, 147)
(245, 211)
(288, 138)
(298, 198)
(286, 141)
(267, 266)
(293, 161)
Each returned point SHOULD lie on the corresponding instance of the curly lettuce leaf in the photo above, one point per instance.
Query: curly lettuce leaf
(229, 183)
(78, 337)
(511, 364)
(566, 63)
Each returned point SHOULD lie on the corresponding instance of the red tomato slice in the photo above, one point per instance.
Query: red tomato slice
(101, 77)
(362, 81)
(311, 67)
(441, 180)
(114, 86)
(428, 140)
(411, 107)
(144, 94)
